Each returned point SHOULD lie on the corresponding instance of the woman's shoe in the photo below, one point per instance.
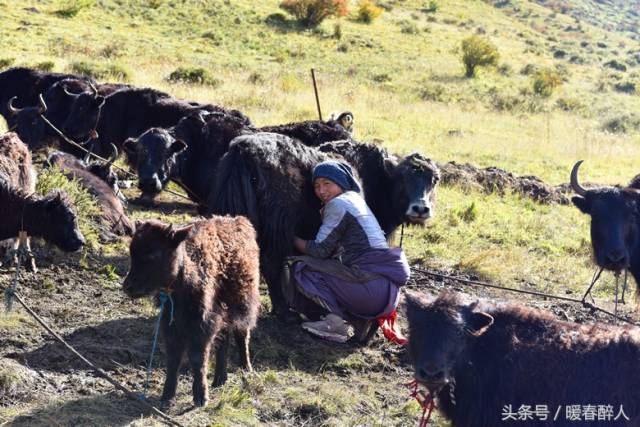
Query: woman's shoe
(332, 328)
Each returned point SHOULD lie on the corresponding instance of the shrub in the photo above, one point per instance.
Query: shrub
(100, 70)
(545, 81)
(44, 66)
(625, 87)
(569, 104)
(433, 92)
(197, 75)
(311, 13)
(478, 51)
(616, 65)
(6, 62)
(72, 7)
(367, 11)
(623, 123)
(529, 69)
(408, 27)
(433, 7)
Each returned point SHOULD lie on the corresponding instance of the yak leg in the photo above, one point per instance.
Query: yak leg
(175, 350)
(199, 360)
(242, 338)
(222, 350)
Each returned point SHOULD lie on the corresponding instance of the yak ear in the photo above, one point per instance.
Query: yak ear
(479, 322)
(178, 235)
(582, 203)
(129, 145)
(178, 146)
(390, 165)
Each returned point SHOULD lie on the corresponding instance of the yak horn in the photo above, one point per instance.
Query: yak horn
(93, 88)
(575, 185)
(42, 107)
(114, 154)
(13, 110)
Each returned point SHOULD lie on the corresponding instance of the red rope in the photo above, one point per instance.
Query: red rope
(425, 400)
(388, 326)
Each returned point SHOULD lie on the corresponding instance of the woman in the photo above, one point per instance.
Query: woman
(348, 271)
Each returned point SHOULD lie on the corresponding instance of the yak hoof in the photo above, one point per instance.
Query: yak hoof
(200, 401)
(218, 381)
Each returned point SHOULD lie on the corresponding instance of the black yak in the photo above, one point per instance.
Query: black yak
(267, 177)
(615, 223)
(210, 267)
(489, 364)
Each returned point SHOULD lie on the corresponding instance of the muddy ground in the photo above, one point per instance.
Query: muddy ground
(298, 380)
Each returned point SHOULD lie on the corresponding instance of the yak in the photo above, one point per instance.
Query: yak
(188, 153)
(267, 177)
(615, 223)
(488, 364)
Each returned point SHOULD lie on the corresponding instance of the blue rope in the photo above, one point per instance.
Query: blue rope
(164, 297)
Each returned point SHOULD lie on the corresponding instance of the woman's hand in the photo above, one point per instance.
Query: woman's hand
(300, 244)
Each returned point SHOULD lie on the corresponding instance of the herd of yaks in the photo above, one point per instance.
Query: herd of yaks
(484, 363)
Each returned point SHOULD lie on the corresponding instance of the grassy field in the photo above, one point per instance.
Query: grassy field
(402, 78)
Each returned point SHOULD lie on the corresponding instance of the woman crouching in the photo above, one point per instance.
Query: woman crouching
(348, 271)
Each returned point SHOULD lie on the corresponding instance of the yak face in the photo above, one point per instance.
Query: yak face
(415, 179)
(155, 258)
(83, 117)
(614, 224)
(440, 332)
(153, 156)
(62, 226)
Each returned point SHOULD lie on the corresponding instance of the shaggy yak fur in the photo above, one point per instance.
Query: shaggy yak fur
(615, 225)
(211, 269)
(129, 112)
(267, 177)
(189, 152)
(479, 358)
(51, 217)
(112, 210)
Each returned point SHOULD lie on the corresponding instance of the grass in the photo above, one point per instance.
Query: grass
(402, 77)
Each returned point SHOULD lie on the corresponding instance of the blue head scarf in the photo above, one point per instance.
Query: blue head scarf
(338, 172)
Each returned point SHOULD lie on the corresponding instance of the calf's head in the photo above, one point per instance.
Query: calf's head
(29, 125)
(61, 227)
(153, 155)
(615, 216)
(155, 258)
(414, 187)
(440, 332)
(104, 170)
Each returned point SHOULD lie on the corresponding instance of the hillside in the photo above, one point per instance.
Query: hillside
(403, 79)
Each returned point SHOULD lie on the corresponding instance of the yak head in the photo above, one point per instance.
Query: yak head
(84, 114)
(414, 187)
(154, 156)
(61, 227)
(29, 125)
(104, 170)
(441, 330)
(615, 216)
(156, 258)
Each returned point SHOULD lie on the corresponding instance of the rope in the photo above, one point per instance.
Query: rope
(128, 173)
(101, 373)
(424, 399)
(401, 235)
(21, 254)
(164, 297)
(540, 294)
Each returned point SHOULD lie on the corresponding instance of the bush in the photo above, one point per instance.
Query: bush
(408, 27)
(100, 70)
(196, 75)
(478, 51)
(433, 7)
(569, 104)
(6, 62)
(367, 11)
(545, 81)
(72, 7)
(433, 92)
(44, 66)
(616, 65)
(623, 123)
(311, 13)
(625, 87)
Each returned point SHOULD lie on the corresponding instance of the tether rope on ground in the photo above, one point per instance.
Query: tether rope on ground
(522, 291)
(100, 372)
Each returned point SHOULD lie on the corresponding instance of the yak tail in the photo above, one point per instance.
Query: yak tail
(234, 192)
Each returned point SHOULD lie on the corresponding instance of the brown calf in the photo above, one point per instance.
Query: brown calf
(210, 268)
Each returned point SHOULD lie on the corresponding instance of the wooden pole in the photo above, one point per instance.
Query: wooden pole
(315, 90)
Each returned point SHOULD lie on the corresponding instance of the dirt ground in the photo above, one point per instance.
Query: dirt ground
(298, 380)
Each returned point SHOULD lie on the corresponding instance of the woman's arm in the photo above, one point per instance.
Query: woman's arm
(331, 232)
(300, 244)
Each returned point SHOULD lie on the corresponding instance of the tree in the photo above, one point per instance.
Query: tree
(311, 13)
(478, 51)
